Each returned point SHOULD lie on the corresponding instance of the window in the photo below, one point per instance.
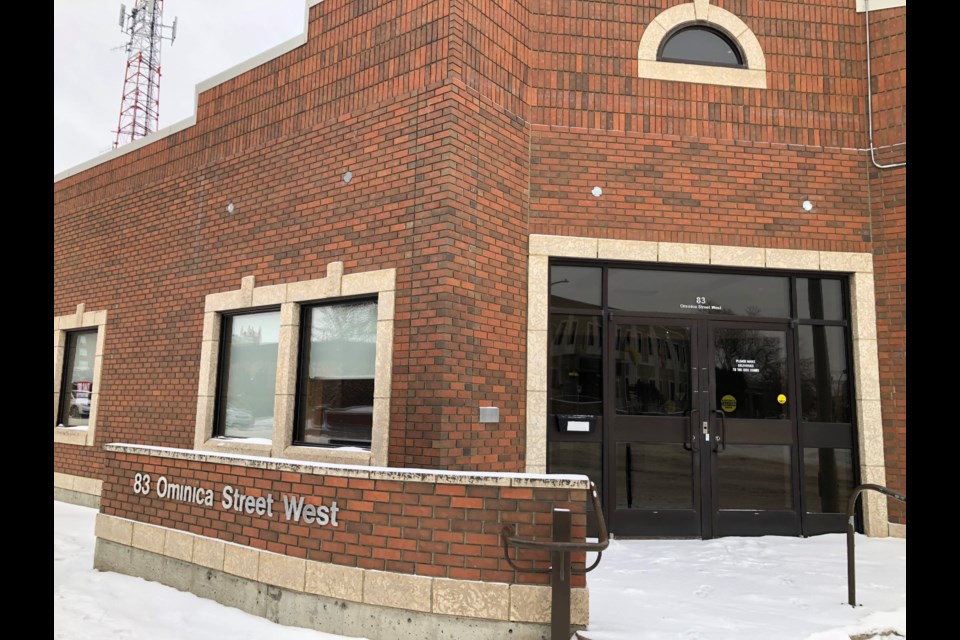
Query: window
(338, 353)
(299, 370)
(76, 394)
(77, 357)
(700, 44)
(248, 375)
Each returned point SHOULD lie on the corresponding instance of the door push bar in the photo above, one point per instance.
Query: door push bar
(851, 505)
(560, 570)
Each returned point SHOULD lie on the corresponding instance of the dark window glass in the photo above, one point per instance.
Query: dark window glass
(824, 383)
(654, 476)
(751, 373)
(338, 360)
(652, 384)
(575, 287)
(700, 293)
(248, 375)
(701, 45)
(753, 476)
(819, 299)
(828, 479)
(576, 457)
(76, 393)
(575, 366)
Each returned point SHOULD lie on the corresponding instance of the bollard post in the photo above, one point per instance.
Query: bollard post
(560, 578)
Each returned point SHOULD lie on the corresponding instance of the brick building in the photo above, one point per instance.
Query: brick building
(428, 252)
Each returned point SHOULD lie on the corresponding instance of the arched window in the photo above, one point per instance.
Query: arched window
(700, 44)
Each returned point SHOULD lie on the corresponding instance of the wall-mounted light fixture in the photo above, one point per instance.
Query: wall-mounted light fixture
(807, 205)
(231, 208)
(347, 177)
(597, 192)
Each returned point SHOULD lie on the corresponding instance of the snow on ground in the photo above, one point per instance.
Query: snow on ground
(768, 588)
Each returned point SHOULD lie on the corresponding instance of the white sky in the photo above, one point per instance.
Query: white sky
(89, 61)
(766, 588)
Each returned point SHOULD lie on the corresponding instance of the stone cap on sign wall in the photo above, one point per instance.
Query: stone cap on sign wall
(486, 478)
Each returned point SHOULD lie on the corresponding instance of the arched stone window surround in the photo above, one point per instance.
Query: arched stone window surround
(703, 13)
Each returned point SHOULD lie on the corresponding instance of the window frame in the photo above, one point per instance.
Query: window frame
(290, 298)
(303, 364)
(710, 28)
(219, 425)
(80, 321)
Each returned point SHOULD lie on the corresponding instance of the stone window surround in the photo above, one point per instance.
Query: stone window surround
(857, 267)
(701, 12)
(290, 297)
(81, 319)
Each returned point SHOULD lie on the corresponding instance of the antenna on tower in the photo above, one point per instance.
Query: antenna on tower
(140, 103)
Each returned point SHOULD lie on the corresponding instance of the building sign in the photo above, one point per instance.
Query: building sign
(294, 507)
(745, 366)
(701, 304)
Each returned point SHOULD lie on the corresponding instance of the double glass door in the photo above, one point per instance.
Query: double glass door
(701, 437)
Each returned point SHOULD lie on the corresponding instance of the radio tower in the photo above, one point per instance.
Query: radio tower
(140, 104)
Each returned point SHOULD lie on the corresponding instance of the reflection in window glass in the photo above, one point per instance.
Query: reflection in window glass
(654, 476)
(701, 293)
(819, 299)
(824, 383)
(754, 476)
(828, 479)
(576, 356)
(576, 457)
(701, 45)
(339, 353)
(575, 287)
(77, 391)
(652, 382)
(248, 375)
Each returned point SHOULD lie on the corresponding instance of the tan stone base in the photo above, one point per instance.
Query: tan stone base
(78, 490)
(898, 530)
(297, 608)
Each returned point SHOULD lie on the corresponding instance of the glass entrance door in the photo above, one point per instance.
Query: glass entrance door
(701, 436)
(703, 403)
(652, 407)
(753, 468)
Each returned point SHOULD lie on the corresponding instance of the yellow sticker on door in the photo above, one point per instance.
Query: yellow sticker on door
(728, 403)
(782, 399)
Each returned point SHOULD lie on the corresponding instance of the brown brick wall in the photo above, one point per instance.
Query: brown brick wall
(889, 207)
(468, 125)
(404, 526)
(586, 74)
(673, 189)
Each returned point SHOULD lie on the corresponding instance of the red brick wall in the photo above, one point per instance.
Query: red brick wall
(585, 74)
(889, 207)
(405, 526)
(673, 189)
(469, 124)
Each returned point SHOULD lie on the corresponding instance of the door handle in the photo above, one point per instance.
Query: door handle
(690, 440)
(719, 441)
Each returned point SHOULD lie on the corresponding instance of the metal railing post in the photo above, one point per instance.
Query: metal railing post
(851, 507)
(561, 567)
(560, 578)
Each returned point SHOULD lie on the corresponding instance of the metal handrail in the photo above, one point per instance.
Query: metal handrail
(560, 566)
(603, 540)
(851, 506)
